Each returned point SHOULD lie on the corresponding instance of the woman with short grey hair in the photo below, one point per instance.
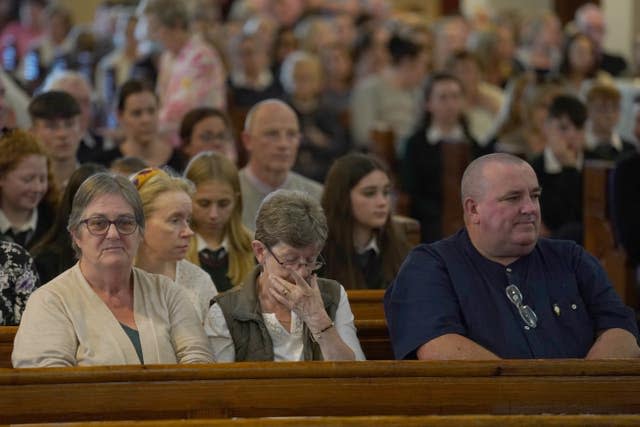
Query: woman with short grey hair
(103, 310)
(283, 311)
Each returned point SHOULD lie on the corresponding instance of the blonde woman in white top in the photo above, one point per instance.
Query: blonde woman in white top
(166, 201)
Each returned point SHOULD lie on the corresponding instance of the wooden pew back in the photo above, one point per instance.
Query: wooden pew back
(372, 331)
(7, 333)
(455, 159)
(387, 421)
(599, 237)
(320, 389)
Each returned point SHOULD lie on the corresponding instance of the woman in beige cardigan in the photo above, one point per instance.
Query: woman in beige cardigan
(103, 310)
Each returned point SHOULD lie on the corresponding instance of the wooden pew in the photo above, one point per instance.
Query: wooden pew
(599, 237)
(372, 332)
(374, 339)
(366, 304)
(383, 146)
(455, 159)
(237, 116)
(507, 387)
(7, 333)
(385, 420)
(410, 227)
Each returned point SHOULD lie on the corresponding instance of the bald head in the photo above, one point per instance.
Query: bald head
(265, 108)
(501, 202)
(271, 136)
(473, 180)
(590, 20)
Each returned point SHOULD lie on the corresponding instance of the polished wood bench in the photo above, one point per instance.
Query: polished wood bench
(270, 389)
(7, 333)
(366, 304)
(385, 420)
(599, 236)
(373, 335)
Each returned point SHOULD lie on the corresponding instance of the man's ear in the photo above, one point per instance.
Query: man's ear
(259, 250)
(246, 140)
(470, 208)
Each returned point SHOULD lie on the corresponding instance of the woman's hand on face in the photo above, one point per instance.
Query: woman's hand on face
(302, 297)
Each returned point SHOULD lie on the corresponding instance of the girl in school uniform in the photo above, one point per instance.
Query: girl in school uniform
(363, 250)
(222, 245)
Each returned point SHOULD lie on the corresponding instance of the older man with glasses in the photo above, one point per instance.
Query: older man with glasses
(496, 290)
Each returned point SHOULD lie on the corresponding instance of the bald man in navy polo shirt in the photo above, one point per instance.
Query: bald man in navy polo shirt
(496, 290)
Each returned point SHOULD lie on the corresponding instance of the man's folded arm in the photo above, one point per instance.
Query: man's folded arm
(453, 347)
(614, 343)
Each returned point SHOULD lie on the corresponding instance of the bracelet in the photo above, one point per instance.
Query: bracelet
(315, 336)
(331, 325)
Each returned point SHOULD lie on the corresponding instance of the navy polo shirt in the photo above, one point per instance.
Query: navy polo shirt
(449, 287)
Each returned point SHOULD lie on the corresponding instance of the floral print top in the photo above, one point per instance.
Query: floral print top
(195, 77)
(18, 279)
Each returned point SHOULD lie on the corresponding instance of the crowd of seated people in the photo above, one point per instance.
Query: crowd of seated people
(206, 120)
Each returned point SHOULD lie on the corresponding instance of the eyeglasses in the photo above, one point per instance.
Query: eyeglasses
(212, 136)
(99, 225)
(526, 313)
(314, 266)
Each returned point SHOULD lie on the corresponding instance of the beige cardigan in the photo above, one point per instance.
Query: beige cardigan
(65, 323)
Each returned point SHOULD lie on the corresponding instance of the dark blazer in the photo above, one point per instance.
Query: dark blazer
(561, 200)
(625, 203)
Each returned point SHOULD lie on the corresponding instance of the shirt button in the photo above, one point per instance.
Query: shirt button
(573, 306)
(526, 327)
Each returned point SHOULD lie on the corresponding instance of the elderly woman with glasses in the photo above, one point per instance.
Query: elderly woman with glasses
(103, 310)
(283, 311)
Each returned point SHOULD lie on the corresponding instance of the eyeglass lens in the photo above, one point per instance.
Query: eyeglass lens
(100, 225)
(526, 313)
(314, 265)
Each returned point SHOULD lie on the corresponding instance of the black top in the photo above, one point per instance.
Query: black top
(561, 200)
(612, 64)
(54, 258)
(370, 264)
(608, 152)
(216, 263)
(246, 98)
(626, 205)
(316, 157)
(46, 214)
(176, 162)
(421, 177)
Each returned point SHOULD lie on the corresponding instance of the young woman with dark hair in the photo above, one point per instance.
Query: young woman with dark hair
(364, 250)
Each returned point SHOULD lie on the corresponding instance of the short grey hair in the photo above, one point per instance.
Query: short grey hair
(472, 179)
(291, 217)
(57, 80)
(101, 184)
(288, 67)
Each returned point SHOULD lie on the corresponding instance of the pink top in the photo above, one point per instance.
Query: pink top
(194, 78)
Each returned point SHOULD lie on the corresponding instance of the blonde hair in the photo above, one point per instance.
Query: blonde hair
(155, 183)
(209, 166)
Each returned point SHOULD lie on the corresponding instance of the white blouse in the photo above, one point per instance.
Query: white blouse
(198, 285)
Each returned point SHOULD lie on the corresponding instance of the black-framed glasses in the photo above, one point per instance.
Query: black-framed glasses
(99, 225)
(314, 266)
(527, 314)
